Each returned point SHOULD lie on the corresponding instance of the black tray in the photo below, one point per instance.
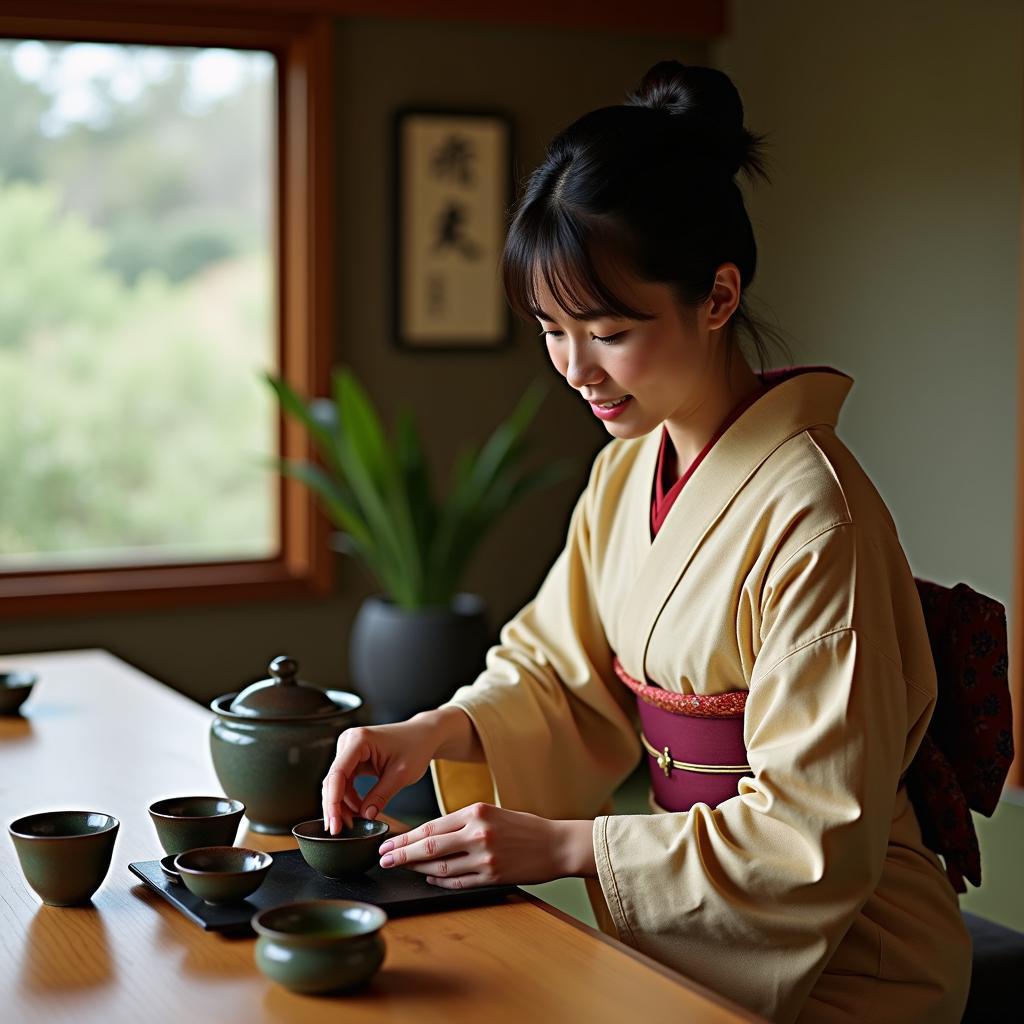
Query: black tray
(398, 891)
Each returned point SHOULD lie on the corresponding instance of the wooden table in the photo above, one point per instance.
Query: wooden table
(97, 734)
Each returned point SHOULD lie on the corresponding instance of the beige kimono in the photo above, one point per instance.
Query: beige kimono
(808, 896)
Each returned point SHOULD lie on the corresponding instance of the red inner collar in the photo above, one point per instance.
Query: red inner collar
(666, 484)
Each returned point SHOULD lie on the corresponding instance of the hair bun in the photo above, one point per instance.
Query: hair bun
(707, 106)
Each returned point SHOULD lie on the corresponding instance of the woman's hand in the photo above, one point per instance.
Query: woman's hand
(482, 844)
(398, 754)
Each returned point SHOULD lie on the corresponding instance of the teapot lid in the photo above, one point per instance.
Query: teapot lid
(283, 695)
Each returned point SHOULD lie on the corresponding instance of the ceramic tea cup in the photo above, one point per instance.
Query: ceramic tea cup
(170, 871)
(222, 874)
(349, 852)
(319, 945)
(65, 855)
(187, 822)
(14, 689)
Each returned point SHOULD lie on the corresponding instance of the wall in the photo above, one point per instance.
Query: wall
(890, 245)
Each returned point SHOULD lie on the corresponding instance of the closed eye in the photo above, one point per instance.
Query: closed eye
(610, 340)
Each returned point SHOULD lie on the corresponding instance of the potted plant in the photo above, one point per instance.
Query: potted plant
(420, 637)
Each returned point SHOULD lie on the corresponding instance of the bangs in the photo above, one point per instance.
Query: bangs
(562, 251)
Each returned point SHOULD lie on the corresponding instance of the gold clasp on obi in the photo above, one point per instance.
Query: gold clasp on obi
(666, 762)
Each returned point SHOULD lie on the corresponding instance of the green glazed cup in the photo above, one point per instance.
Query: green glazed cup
(188, 822)
(14, 689)
(349, 852)
(319, 945)
(223, 874)
(65, 855)
(171, 873)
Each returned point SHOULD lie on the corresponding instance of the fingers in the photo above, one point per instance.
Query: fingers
(452, 851)
(349, 809)
(455, 866)
(377, 798)
(467, 881)
(353, 750)
(396, 776)
(423, 843)
(350, 806)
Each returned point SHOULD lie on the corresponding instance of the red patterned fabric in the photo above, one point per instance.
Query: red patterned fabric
(966, 753)
(694, 705)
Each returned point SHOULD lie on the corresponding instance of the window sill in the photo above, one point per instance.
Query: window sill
(90, 591)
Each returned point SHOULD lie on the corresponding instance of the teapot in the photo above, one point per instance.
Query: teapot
(273, 743)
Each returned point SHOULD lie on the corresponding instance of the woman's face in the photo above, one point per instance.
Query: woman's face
(665, 365)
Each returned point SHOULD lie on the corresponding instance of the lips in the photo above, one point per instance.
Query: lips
(612, 412)
(608, 402)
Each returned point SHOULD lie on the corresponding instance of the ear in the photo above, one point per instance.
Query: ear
(725, 295)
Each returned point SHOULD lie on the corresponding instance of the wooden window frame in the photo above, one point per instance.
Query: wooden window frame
(302, 230)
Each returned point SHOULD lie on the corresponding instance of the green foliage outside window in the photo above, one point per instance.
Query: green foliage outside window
(136, 311)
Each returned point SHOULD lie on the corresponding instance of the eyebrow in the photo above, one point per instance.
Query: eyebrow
(587, 314)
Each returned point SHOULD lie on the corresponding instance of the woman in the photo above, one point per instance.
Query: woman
(728, 564)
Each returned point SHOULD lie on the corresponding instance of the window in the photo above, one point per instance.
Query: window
(137, 269)
(158, 186)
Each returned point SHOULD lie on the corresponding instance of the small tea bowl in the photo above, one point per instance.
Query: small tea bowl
(319, 945)
(65, 855)
(188, 822)
(349, 852)
(168, 868)
(14, 688)
(223, 874)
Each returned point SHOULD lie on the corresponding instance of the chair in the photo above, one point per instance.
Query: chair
(997, 972)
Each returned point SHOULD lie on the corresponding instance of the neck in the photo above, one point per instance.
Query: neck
(690, 430)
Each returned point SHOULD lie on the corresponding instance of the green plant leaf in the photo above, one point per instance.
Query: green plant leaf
(294, 405)
(475, 477)
(373, 474)
(382, 496)
(413, 467)
(312, 416)
(506, 493)
(507, 443)
(341, 514)
(362, 426)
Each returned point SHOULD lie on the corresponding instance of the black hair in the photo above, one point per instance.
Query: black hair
(650, 182)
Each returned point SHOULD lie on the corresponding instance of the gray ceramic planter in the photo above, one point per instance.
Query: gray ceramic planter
(411, 660)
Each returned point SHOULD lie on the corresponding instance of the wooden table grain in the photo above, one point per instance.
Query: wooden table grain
(98, 734)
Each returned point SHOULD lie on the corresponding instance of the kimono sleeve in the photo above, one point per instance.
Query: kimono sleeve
(752, 897)
(557, 738)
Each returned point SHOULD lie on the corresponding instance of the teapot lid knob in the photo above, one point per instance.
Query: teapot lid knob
(284, 670)
(283, 696)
